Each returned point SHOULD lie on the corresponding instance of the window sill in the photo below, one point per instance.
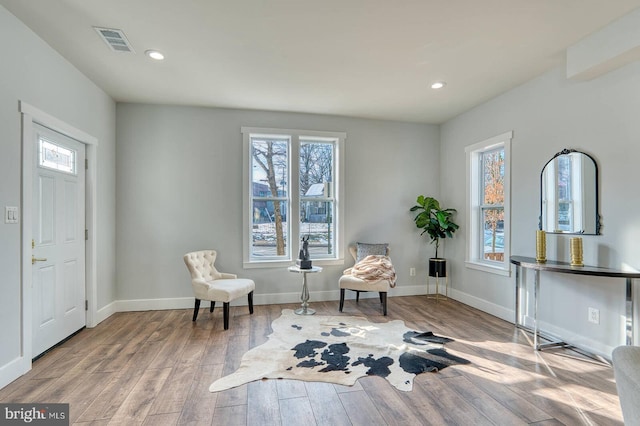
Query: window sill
(287, 263)
(498, 269)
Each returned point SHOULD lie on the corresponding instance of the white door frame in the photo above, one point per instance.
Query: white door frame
(30, 115)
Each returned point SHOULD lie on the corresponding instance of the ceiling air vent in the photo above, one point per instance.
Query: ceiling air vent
(115, 39)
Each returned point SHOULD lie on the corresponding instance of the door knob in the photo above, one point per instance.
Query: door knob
(35, 259)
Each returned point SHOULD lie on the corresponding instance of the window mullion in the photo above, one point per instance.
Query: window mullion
(294, 193)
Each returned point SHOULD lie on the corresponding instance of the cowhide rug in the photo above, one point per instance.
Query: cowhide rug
(340, 349)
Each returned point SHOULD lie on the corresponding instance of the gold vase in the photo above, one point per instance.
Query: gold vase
(576, 251)
(541, 246)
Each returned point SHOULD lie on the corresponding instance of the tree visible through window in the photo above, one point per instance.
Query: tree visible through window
(270, 158)
(292, 175)
(316, 202)
(493, 204)
(488, 204)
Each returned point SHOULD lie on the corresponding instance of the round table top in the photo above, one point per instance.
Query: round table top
(295, 268)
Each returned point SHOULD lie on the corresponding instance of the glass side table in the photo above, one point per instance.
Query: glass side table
(304, 310)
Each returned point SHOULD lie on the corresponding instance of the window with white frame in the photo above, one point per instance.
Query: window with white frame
(488, 195)
(54, 156)
(292, 185)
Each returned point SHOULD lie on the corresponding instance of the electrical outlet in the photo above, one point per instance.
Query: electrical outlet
(594, 315)
(412, 272)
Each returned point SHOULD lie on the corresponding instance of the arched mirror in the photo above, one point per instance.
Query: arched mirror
(569, 194)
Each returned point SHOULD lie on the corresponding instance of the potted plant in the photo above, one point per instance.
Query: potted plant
(436, 222)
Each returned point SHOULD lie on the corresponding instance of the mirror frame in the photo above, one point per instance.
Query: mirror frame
(566, 151)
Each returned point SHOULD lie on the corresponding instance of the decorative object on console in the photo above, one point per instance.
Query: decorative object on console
(304, 262)
(541, 246)
(436, 222)
(576, 251)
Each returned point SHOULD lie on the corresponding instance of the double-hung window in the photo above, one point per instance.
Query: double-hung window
(293, 182)
(488, 195)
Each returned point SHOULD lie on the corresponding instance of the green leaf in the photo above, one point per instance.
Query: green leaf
(433, 220)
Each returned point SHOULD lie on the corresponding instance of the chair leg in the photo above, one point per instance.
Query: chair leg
(341, 299)
(381, 301)
(357, 296)
(383, 298)
(225, 307)
(213, 304)
(196, 309)
(250, 297)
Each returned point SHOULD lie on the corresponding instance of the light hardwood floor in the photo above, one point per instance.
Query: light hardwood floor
(154, 368)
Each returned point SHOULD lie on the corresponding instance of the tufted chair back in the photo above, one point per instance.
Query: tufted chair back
(200, 265)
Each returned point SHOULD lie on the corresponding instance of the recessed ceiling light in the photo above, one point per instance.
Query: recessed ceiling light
(154, 54)
(438, 85)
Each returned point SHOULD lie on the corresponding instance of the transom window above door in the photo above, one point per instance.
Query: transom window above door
(56, 157)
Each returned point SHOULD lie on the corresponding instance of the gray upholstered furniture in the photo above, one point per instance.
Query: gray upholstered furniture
(209, 284)
(349, 282)
(626, 367)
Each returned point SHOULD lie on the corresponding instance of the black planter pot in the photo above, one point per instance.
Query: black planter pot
(437, 267)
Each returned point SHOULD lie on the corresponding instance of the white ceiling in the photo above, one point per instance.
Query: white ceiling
(359, 58)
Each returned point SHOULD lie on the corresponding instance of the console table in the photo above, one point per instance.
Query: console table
(566, 268)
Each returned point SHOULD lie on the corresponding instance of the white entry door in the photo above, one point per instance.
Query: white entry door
(58, 261)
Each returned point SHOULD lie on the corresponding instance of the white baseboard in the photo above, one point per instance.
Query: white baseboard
(291, 297)
(334, 295)
(154, 304)
(580, 341)
(105, 312)
(258, 299)
(14, 369)
(408, 290)
(483, 305)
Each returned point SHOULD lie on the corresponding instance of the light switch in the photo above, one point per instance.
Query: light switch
(10, 214)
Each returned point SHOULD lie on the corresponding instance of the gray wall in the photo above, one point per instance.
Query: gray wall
(31, 71)
(546, 115)
(179, 188)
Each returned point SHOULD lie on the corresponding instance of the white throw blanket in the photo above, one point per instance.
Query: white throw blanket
(374, 268)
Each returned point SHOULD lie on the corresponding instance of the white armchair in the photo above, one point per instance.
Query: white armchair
(350, 282)
(209, 284)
